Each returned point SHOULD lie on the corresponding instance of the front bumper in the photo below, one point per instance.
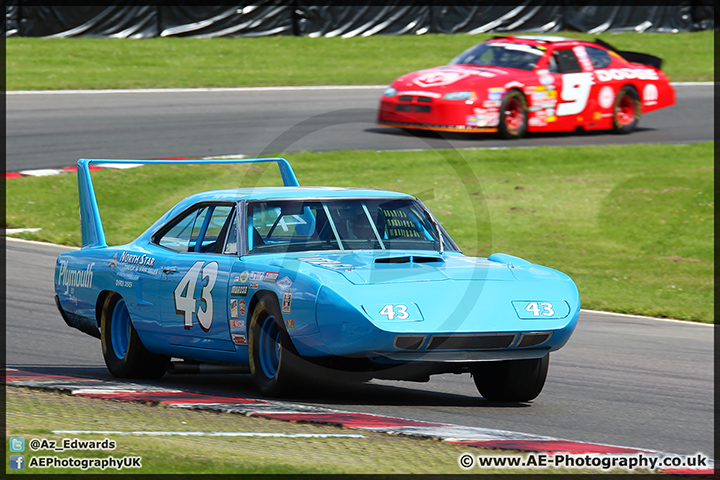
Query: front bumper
(438, 114)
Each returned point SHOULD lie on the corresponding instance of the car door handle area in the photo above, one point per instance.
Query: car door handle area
(169, 270)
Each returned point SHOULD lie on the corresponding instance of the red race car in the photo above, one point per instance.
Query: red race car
(519, 84)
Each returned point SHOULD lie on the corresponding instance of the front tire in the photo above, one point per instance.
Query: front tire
(513, 115)
(626, 111)
(274, 361)
(124, 353)
(511, 380)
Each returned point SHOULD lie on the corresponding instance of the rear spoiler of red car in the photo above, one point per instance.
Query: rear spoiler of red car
(634, 57)
(91, 228)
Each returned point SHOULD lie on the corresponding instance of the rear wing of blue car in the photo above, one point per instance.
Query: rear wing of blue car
(92, 232)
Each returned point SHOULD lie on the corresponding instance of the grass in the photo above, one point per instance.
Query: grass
(34, 414)
(87, 63)
(633, 225)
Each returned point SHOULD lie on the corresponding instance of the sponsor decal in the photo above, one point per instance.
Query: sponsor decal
(254, 285)
(239, 290)
(70, 277)
(493, 118)
(583, 57)
(132, 259)
(495, 94)
(538, 96)
(239, 339)
(626, 74)
(130, 262)
(650, 94)
(545, 78)
(284, 283)
(290, 324)
(606, 97)
(539, 119)
(233, 308)
(287, 302)
(271, 277)
(327, 263)
(241, 307)
(237, 324)
(476, 120)
(438, 78)
(256, 276)
(244, 276)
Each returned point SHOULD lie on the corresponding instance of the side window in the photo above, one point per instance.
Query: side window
(203, 229)
(566, 62)
(598, 57)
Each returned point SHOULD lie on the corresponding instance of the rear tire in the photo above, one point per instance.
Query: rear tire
(124, 353)
(626, 111)
(511, 380)
(513, 115)
(274, 362)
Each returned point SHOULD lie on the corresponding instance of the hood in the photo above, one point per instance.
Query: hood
(456, 78)
(382, 267)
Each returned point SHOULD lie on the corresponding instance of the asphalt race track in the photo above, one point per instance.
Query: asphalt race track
(55, 130)
(621, 380)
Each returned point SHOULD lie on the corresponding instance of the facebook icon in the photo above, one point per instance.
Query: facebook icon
(17, 462)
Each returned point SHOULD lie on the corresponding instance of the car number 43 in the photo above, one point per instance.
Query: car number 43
(184, 294)
(540, 308)
(393, 312)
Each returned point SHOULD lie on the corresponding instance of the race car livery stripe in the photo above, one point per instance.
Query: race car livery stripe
(278, 410)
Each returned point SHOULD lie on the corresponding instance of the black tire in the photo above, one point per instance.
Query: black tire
(626, 110)
(513, 115)
(511, 380)
(124, 353)
(275, 364)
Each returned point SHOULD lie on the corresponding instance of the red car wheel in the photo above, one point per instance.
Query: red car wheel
(626, 113)
(513, 115)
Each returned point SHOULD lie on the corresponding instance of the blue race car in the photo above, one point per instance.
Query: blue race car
(296, 284)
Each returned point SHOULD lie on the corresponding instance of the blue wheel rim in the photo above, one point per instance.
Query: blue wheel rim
(120, 329)
(269, 351)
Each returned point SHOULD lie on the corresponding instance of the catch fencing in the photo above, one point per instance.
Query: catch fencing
(300, 18)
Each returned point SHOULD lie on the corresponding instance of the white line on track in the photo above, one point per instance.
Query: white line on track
(249, 89)
(641, 317)
(209, 434)
(196, 90)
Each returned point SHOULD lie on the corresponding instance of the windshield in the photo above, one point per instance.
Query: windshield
(500, 54)
(351, 224)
